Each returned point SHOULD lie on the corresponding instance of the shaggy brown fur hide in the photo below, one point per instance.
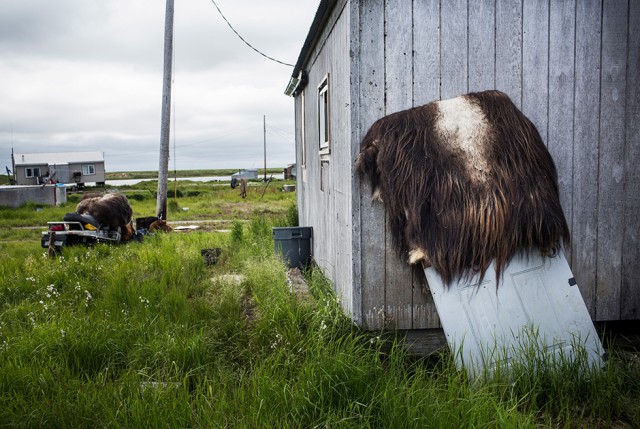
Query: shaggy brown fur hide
(111, 210)
(464, 182)
(160, 225)
(145, 222)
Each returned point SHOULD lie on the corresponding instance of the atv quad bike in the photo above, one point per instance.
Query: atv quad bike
(78, 229)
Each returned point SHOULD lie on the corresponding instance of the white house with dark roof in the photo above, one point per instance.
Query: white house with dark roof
(60, 167)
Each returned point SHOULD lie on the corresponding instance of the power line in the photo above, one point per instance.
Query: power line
(284, 131)
(245, 42)
(193, 143)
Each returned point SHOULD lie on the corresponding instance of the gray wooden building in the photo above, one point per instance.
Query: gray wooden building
(62, 167)
(573, 67)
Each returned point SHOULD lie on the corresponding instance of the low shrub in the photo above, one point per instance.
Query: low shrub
(291, 216)
(138, 196)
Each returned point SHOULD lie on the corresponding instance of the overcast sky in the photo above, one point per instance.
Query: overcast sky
(86, 75)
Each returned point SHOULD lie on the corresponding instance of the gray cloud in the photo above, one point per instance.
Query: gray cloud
(79, 75)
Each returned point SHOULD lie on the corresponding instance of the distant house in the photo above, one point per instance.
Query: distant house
(61, 167)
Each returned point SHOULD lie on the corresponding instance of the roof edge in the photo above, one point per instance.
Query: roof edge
(296, 79)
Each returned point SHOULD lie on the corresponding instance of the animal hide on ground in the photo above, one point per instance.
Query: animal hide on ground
(464, 181)
(145, 222)
(111, 210)
(160, 225)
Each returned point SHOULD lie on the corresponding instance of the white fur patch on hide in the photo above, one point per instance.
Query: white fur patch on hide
(464, 128)
(417, 255)
(377, 195)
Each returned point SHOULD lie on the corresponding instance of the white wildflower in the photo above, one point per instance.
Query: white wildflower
(144, 301)
(277, 341)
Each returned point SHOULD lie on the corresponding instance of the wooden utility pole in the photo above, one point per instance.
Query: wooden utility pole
(163, 170)
(264, 125)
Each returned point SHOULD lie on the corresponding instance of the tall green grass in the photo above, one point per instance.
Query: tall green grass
(147, 335)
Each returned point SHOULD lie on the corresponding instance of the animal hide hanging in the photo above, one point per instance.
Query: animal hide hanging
(465, 182)
(111, 210)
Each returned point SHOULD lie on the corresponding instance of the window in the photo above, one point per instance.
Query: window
(303, 129)
(30, 172)
(88, 170)
(323, 115)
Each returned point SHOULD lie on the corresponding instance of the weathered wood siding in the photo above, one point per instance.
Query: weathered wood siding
(325, 189)
(572, 66)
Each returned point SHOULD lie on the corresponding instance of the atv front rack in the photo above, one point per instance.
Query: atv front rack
(67, 233)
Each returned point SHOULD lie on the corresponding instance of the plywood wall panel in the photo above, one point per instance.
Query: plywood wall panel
(535, 64)
(630, 292)
(560, 97)
(398, 96)
(453, 42)
(426, 88)
(372, 216)
(611, 159)
(482, 48)
(586, 123)
(508, 45)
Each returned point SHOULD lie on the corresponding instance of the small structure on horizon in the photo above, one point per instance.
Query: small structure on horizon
(61, 167)
(251, 174)
(290, 172)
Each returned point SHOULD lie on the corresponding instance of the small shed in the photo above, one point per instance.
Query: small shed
(572, 67)
(289, 172)
(60, 167)
(250, 174)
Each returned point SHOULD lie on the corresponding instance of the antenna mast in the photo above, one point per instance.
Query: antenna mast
(264, 124)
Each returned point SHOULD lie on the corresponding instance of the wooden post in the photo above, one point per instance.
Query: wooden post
(264, 125)
(163, 170)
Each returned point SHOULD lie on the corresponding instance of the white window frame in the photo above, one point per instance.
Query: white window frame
(31, 172)
(324, 117)
(303, 130)
(88, 169)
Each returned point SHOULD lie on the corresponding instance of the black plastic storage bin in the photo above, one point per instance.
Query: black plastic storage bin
(294, 244)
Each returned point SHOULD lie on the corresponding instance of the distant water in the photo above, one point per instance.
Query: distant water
(127, 182)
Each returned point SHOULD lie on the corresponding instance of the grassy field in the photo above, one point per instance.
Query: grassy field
(147, 335)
